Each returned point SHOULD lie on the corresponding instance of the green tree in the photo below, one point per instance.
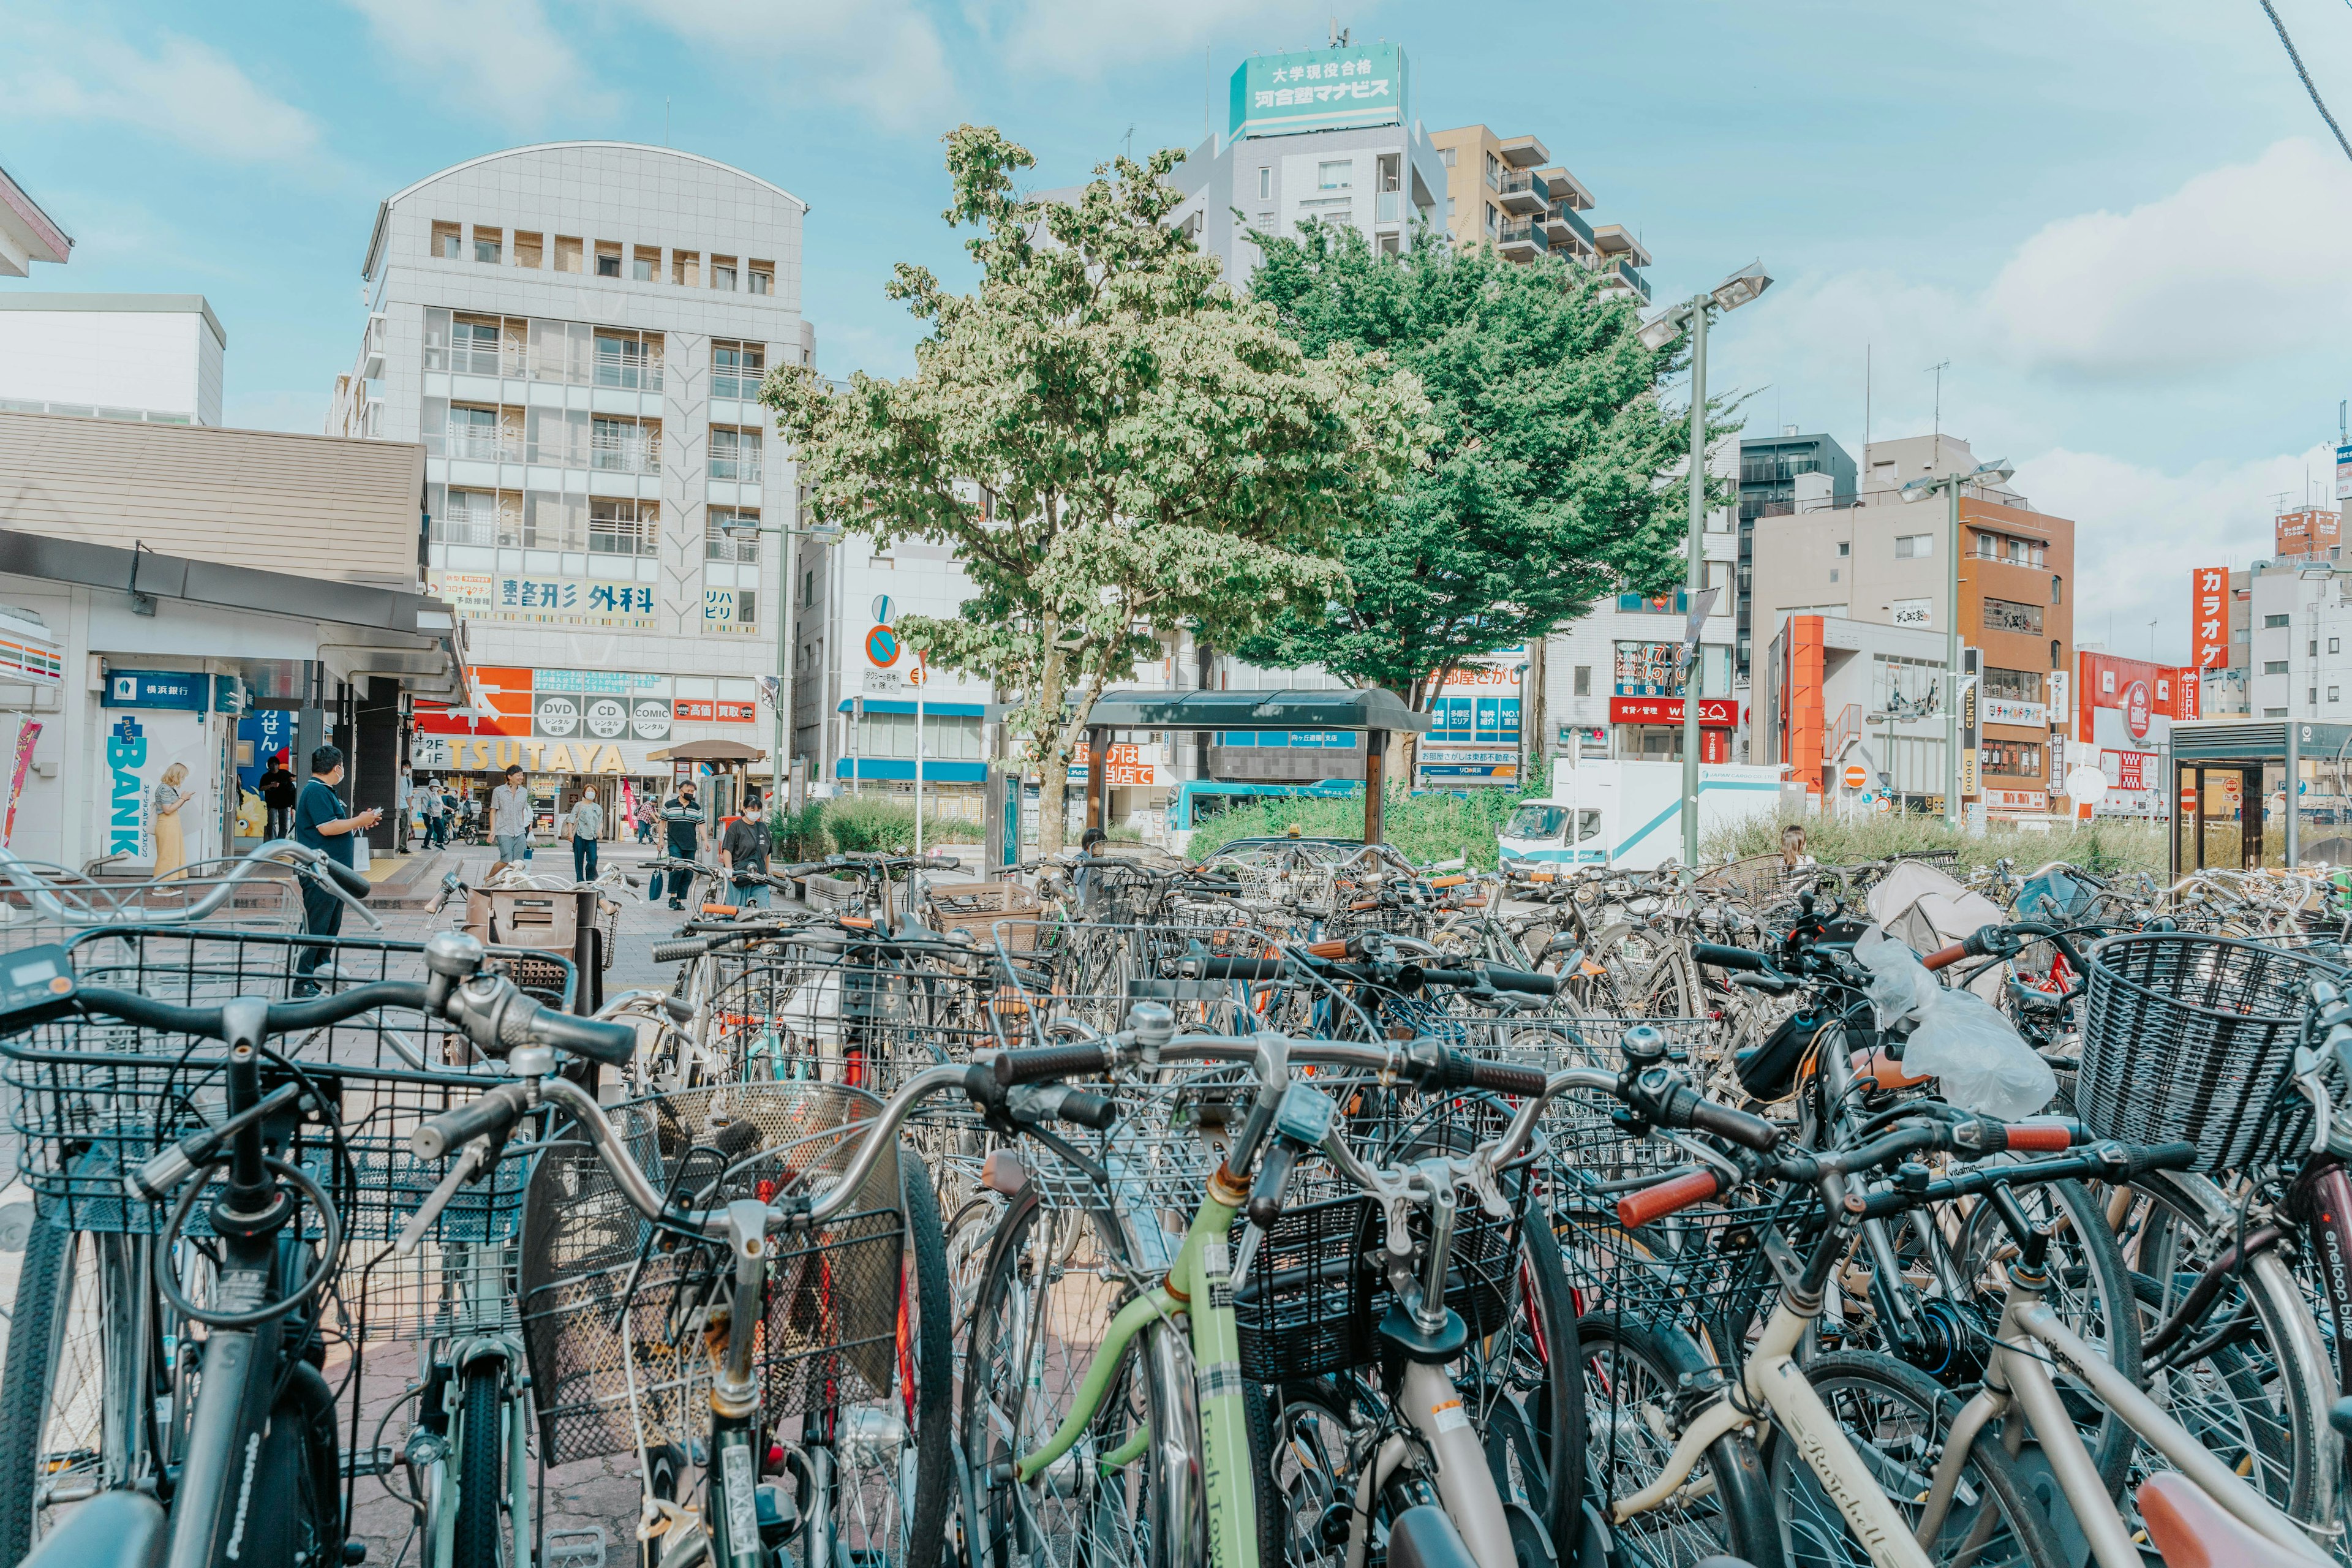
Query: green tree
(1110, 441)
(1543, 488)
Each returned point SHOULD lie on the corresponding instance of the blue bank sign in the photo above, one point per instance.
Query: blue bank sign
(1318, 89)
(157, 688)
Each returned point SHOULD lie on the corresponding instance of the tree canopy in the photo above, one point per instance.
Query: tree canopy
(1542, 491)
(1110, 441)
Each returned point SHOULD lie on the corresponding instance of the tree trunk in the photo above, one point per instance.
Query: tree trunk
(1053, 751)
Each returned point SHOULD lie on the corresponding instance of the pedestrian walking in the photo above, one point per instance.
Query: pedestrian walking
(278, 789)
(436, 817)
(683, 817)
(744, 847)
(319, 824)
(645, 824)
(587, 827)
(171, 847)
(511, 818)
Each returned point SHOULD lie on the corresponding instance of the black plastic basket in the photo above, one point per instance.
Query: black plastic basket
(2188, 1037)
(1317, 1289)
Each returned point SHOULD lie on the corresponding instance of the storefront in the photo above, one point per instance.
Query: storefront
(1652, 727)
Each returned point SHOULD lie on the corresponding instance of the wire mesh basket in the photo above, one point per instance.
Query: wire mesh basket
(2190, 1038)
(445, 1290)
(614, 1311)
(267, 897)
(91, 1098)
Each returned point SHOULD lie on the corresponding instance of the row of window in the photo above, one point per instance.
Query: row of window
(945, 739)
(1999, 547)
(2017, 759)
(604, 257)
(575, 439)
(575, 354)
(601, 525)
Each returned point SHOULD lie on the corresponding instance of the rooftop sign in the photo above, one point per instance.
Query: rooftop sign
(1318, 89)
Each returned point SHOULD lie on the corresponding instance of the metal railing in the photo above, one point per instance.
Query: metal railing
(628, 375)
(738, 464)
(641, 456)
(1633, 279)
(468, 527)
(740, 381)
(480, 447)
(1522, 232)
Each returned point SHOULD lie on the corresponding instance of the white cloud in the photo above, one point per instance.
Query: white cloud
(2241, 264)
(1071, 35)
(182, 89)
(882, 58)
(2139, 531)
(499, 59)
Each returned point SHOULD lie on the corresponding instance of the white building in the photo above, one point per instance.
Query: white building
(140, 357)
(26, 233)
(2301, 617)
(577, 334)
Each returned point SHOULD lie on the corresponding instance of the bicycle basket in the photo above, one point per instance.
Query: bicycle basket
(613, 1311)
(2192, 1039)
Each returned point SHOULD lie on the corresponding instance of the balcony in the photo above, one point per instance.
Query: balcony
(1523, 194)
(1567, 230)
(372, 348)
(1519, 240)
(624, 373)
(737, 381)
(739, 464)
(478, 446)
(1388, 206)
(640, 456)
(1622, 271)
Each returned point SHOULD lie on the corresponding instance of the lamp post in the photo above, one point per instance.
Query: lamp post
(1656, 333)
(1996, 472)
(736, 528)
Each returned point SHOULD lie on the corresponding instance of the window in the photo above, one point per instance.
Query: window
(1392, 244)
(645, 265)
(608, 258)
(2013, 685)
(1338, 174)
(1449, 209)
(2332, 692)
(736, 369)
(808, 586)
(489, 245)
(567, 253)
(1584, 680)
(722, 274)
(1265, 181)
(620, 526)
(445, 241)
(1915, 546)
(2273, 620)
(527, 249)
(2015, 758)
(474, 345)
(469, 517)
(2274, 666)
(624, 445)
(735, 454)
(629, 361)
(2007, 616)
(1445, 156)
(1494, 172)
(2314, 698)
(1834, 574)
(2057, 590)
(764, 277)
(1846, 547)
(2314, 650)
(685, 268)
(739, 543)
(472, 433)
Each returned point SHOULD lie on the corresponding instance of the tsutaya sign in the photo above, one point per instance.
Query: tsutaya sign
(1318, 89)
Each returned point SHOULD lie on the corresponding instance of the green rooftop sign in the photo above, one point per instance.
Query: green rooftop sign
(1318, 89)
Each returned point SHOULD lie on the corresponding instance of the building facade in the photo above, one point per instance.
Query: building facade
(1888, 560)
(1780, 475)
(1832, 693)
(577, 334)
(1315, 135)
(26, 233)
(140, 358)
(1505, 191)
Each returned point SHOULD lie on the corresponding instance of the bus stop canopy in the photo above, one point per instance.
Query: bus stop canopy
(1372, 710)
(2244, 749)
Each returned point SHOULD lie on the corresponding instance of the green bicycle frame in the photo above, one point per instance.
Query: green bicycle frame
(1200, 1286)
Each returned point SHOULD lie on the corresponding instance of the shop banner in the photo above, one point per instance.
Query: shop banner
(2209, 618)
(140, 747)
(28, 735)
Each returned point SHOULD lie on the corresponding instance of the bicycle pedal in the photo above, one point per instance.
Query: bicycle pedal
(377, 1462)
(576, 1546)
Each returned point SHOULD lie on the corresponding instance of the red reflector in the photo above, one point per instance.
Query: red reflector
(766, 1188)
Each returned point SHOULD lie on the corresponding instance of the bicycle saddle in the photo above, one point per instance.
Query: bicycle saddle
(2192, 1531)
(112, 1529)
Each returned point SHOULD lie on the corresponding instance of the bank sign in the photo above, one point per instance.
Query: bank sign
(1318, 89)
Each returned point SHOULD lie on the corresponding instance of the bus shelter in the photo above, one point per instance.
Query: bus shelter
(2291, 773)
(1374, 713)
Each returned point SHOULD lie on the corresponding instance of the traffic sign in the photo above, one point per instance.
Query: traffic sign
(2086, 786)
(1856, 776)
(917, 675)
(2187, 800)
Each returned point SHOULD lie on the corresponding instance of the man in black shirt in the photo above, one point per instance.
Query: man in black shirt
(682, 815)
(278, 791)
(319, 824)
(744, 847)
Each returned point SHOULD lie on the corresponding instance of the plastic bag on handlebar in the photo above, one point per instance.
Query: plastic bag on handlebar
(1978, 1059)
(1901, 988)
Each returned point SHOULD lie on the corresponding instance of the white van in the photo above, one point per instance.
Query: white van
(1626, 814)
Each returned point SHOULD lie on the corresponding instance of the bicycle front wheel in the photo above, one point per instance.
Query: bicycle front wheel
(70, 1407)
(481, 1470)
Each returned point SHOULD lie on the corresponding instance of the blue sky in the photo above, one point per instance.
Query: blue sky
(2122, 223)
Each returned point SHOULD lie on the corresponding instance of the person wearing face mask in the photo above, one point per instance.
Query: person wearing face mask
(682, 818)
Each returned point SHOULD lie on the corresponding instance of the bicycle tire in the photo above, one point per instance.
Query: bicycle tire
(41, 1337)
(1814, 1534)
(481, 1470)
(302, 1525)
(934, 1346)
(1619, 1355)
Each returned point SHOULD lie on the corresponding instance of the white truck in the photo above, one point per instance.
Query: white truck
(1627, 815)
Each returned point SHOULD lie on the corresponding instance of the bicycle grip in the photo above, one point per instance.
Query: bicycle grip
(1098, 1112)
(676, 952)
(1945, 957)
(1506, 1077)
(1743, 1128)
(1243, 968)
(1272, 1180)
(2042, 1136)
(2162, 1157)
(346, 879)
(612, 1043)
(1526, 982)
(1718, 957)
(435, 1136)
(1637, 1209)
(1038, 1064)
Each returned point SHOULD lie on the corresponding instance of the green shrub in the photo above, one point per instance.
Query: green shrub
(2103, 848)
(1434, 825)
(859, 824)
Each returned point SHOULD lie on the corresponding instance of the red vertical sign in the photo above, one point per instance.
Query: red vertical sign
(2209, 618)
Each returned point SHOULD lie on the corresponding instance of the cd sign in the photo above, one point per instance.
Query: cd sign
(608, 717)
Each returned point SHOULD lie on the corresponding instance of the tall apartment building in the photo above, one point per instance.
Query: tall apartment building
(142, 358)
(1316, 135)
(1505, 191)
(1888, 560)
(1773, 471)
(577, 334)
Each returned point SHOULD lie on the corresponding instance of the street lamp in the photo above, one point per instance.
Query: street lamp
(738, 528)
(1999, 471)
(1656, 333)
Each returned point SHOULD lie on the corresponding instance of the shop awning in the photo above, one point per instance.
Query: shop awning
(931, 709)
(708, 751)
